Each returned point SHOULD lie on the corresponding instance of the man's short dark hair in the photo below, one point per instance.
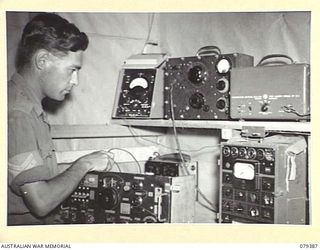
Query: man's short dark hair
(51, 32)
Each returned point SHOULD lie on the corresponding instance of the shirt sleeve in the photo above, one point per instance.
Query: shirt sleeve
(25, 163)
(22, 162)
(21, 135)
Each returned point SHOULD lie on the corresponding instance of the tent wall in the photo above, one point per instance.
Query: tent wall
(116, 36)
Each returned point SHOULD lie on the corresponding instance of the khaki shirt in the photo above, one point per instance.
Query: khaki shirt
(31, 154)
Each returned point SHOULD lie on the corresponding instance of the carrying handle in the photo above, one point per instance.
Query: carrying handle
(209, 50)
(159, 213)
(274, 62)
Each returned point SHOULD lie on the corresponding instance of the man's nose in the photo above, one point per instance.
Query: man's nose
(74, 78)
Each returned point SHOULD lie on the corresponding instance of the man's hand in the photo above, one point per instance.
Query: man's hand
(43, 196)
(96, 161)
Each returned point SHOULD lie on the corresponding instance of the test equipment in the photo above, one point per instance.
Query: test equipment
(274, 92)
(139, 91)
(264, 181)
(171, 165)
(112, 197)
(197, 87)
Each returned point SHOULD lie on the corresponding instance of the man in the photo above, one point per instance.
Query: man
(47, 62)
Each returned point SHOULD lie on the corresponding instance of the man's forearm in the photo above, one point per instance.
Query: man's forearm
(43, 196)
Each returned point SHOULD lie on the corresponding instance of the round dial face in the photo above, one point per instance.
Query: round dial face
(223, 66)
(252, 153)
(234, 151)
(260, 154)
(226, 151)
(242, 152)
(243, 171)
(108, 198)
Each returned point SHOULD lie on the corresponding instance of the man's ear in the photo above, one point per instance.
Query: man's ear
(42, 59)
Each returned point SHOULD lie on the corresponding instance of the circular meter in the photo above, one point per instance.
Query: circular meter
(234, 152)
(138, 82)
(226, 151)
(252, 153)
(223, 66)
(138, 86)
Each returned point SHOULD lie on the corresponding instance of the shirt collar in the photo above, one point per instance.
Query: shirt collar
(29, 92)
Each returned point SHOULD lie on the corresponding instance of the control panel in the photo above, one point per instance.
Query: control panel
(258, 184)
(109, 197)
(198, 87)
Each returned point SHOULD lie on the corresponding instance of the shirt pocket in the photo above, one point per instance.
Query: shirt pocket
(47, 151)
(48, 154)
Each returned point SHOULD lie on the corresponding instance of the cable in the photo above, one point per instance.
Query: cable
(149, 33)
(147, 210)
(150, 27)
(207, 200)
(204, 147)
(291, 109)
(111, 149)
(205, 206)
(107, 169)
(114, 37)
(115, 163)
(184, 166)
(165, 146)
(179, 150)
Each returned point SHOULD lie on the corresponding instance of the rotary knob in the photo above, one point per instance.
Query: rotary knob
(197, 100)
(253, 197)
(254, 212)
(265, 107)
(227, 206)
(227, 178)
(239, 208)
(137, 201)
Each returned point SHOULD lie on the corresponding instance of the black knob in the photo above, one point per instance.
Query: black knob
(228, 192)
(221, 85)
(196, 75)
(254, 212)
(253, 197)
(240, 208)
(196, 100)
(137, 185)
(227, 206)
(227, 178)
(265, 107)
(221, 104)
(137, 201)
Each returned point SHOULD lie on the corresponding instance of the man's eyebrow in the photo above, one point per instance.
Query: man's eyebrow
(76, 67)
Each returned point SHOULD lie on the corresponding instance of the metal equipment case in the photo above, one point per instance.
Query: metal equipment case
(197, 87)
(110, 197)
(264, 181)
(278, 92)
